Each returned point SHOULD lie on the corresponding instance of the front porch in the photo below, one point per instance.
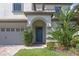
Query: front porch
(40, 23)
(39, 32)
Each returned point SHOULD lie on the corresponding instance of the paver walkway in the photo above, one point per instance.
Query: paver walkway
(10, 50)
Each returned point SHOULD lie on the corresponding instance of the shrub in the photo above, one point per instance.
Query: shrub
(72, 50)
(77, 46)
(50, 45)
(28, 37)
(75, 41)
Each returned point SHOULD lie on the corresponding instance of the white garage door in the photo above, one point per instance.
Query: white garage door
(12, 35)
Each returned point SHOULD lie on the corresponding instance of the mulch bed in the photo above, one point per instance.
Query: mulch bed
(68, 52)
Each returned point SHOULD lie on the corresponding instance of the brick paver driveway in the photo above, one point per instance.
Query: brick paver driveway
(9, 50)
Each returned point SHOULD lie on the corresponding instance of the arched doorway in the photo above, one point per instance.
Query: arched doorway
(39, 31)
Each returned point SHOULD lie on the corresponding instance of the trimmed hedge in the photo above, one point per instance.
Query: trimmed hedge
(28, 37)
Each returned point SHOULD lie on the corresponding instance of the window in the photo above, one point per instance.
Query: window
(38, 7)
(49, 7)
(12, 29)
(17, 7)
(2, 29)
(58, 9)
(17, 29)
(8, 29)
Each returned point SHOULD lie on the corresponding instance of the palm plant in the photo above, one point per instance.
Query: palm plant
(64, 31)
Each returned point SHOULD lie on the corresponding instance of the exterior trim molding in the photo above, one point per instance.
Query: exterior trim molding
(38, 18)
(39, 13)
(11, 20)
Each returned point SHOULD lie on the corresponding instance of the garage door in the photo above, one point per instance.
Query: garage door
(12, 33)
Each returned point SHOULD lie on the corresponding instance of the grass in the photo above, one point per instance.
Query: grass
(38, 52)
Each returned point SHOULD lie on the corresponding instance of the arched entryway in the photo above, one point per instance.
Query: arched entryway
(39, 31)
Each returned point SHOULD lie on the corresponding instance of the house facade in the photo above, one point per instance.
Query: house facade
(15, 17)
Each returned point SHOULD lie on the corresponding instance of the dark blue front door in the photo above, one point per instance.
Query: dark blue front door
(39, 35)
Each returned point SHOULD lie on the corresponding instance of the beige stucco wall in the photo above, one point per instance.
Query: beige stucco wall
(7, 13)
(52, 6)
(6, 10)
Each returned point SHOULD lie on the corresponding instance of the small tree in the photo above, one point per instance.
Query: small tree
(64, 31)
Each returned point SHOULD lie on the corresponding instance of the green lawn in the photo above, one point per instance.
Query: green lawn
(38, 52)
